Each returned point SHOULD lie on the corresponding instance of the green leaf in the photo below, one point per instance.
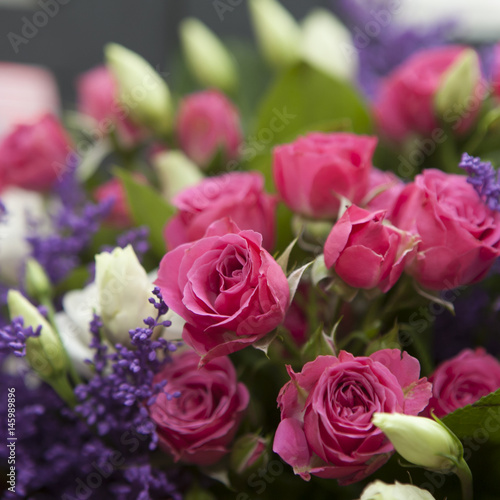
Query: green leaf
(304, 99)
(294, 279)
(320, 344)
(148, 209)
(483, 414)
(282, 260)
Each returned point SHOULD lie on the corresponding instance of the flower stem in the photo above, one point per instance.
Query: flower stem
(465, 475)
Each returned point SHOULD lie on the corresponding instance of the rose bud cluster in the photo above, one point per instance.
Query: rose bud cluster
(34, 156)
(326, 412)
(463, 380)
(238, 195)
(206, 123)
(198, 417)
(230, 291)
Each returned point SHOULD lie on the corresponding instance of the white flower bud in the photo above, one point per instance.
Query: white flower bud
(207, 58)
(144, 95)
(277, 32)
(421, 441)
(382, 491)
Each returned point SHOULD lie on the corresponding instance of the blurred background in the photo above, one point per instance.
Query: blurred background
(70, 38)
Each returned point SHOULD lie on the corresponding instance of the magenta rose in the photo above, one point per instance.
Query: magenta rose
(460, 235)
(237, 195)
(463, 380)
(405, 103)
(384, 190)
(367, 253)
(34, 156)
(326, 412)
(97, 94)
(230, 291)
(199, 410)
(313, 173)
(208, 122)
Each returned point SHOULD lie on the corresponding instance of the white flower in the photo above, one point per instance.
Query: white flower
(382, 491)
(21, 207)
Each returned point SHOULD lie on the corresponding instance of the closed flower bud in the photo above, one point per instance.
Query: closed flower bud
(249, 453)
(459, 84)
(37, 281)
(142, 92)
(45, 353)
(324, 39)
(277, 32)
(123, 290)
(206, 56)
(421, 441)
(382, 491)
(176, 172)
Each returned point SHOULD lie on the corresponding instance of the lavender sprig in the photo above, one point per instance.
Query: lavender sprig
(13, 338)
(485, 179)
(115, 400)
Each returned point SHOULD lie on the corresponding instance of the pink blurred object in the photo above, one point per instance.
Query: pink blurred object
(26, 93)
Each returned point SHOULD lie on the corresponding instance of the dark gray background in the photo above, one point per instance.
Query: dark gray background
(71, 41)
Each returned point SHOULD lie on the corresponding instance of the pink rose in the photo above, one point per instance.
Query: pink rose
(237, 195)
(463, 380)
(120, 215)
(314, 172)
(207, 122)
(405, 103)
(384, 190)
(326, 412)
(460, 235)
(367, 253)
(97, 94)
(200, 421)
(229, 290)
(34, 156)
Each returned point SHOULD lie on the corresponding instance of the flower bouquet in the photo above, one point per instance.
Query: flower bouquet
(268, 273)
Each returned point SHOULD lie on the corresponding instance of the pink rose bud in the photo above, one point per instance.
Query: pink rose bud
(207, 123)
(384, 190)
(463, 380)
(248, 453)
(34, 156)
(227, 288)
(460, 235)
(199, 410)
(406, 101)
(367, 253)
(237, 195)
(313, 173)
(97, 94)
(326, 412)
(120, 215)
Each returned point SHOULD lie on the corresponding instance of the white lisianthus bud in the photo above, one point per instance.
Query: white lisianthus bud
(277, 32)
(421, 441)
(45, 353)
(144, 95)
(37, 281)
(176, 172)
(207, 58)
(123, 291)
(458, 85)
(382, 491)
(323, 40)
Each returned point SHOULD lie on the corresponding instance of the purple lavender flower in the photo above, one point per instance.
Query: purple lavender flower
(13, 338)
(485, 179)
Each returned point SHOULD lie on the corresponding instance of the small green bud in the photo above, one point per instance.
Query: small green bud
(37, 281)
(207, 58)
(45, 353)
(176, 172)
(142, 91)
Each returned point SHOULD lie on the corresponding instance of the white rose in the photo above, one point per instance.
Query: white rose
(382, 491)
